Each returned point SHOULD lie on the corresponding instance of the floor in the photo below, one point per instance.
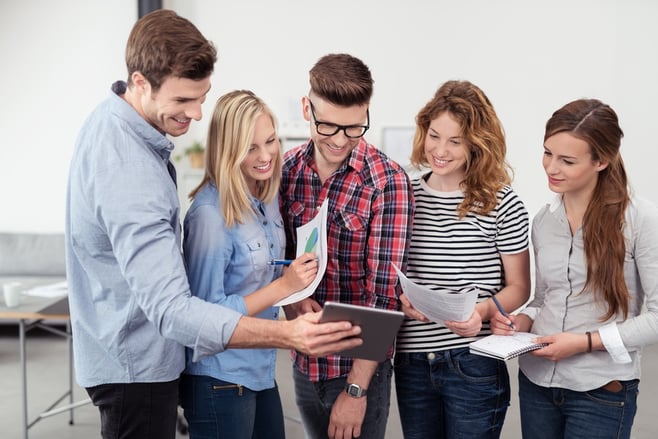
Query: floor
(47, 379)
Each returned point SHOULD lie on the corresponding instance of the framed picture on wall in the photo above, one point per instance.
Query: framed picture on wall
(397, 143)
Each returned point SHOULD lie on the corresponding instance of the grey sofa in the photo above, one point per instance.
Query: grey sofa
(32, 258)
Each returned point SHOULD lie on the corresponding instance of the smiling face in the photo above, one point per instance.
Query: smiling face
(258, 165)
(445, 151)
(569, 165)
(172, 108)
(332, 151)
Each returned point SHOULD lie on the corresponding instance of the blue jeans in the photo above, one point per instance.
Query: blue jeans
(451, 394)
(219, 409)
(137, 410)
(556, 413)
(315, 400)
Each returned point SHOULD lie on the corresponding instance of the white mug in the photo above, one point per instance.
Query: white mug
(12, 293)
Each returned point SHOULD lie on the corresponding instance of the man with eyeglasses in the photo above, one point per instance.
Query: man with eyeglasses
(369, 223)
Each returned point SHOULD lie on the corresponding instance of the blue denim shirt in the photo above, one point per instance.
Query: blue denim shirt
(130, 302)
(224, 265)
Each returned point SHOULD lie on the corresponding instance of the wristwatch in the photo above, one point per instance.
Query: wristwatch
(355, 391)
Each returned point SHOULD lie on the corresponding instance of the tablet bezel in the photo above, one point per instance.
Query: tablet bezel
(379, 327)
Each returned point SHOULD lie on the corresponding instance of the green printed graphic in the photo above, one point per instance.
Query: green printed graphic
(312, 241)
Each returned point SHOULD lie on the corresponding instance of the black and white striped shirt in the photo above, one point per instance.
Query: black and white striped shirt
(448, 252)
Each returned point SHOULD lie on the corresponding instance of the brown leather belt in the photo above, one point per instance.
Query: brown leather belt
(613, 386)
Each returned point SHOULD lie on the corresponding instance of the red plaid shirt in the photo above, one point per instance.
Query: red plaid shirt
(368, 227)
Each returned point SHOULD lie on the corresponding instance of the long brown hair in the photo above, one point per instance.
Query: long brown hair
(487, 170)
(596, 123)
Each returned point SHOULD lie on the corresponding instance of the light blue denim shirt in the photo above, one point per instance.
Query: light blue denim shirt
(130, 302)
(224, 265)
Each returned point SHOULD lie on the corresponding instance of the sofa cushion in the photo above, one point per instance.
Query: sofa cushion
(32, 254)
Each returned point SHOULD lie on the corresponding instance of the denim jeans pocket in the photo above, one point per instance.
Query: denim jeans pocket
(606, 395)
(477, 369)
(401, 359)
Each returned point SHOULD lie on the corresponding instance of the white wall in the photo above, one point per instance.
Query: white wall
(59, 59)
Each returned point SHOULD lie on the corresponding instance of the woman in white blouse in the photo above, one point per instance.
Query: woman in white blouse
(596, 257)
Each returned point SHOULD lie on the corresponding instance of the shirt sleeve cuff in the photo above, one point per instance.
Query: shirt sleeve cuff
(530, 311)
(221, 325)
(613, 343)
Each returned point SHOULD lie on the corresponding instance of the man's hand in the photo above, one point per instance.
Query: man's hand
(304, 306)
(317, 339)
(347, 416)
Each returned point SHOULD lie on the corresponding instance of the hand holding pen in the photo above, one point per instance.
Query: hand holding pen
(300, 272)
(284, 262)
(502, 311)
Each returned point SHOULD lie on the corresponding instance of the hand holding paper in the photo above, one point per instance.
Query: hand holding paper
(311, 237)
(300, 273)
(438, 305)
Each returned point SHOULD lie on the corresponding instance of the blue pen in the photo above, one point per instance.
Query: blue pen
(502, 311)
(285, 262)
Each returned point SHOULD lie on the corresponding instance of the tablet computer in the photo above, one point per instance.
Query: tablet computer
(378, 327)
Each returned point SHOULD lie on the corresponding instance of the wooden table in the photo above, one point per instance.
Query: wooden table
(49, 314)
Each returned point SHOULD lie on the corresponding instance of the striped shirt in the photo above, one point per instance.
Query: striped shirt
(449, 253)
(368, 228)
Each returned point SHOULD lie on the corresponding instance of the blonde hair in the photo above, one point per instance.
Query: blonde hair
(230, 135)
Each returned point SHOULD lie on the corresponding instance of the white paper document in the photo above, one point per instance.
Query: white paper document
(311, 237)
(439, 305)
(59, 289)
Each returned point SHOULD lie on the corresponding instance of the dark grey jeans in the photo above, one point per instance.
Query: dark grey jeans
(137, 410)
(315, 401)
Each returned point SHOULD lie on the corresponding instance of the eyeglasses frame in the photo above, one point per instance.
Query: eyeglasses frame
(339, 128)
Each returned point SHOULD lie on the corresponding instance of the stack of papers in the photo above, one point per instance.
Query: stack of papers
(59, 289)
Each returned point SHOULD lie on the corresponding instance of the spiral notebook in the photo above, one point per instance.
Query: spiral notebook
(505, 347)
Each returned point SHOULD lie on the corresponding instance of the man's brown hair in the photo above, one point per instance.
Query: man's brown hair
(162, 43)
(342, 80)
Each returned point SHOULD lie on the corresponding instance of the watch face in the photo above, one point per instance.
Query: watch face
(355, 391)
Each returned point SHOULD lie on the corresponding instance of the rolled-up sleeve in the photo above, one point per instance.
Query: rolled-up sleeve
(147, 250)
(388, 240)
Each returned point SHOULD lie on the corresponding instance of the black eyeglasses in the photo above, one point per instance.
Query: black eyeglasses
(330, 129)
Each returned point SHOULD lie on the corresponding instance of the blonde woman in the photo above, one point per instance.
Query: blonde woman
(232, 231)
